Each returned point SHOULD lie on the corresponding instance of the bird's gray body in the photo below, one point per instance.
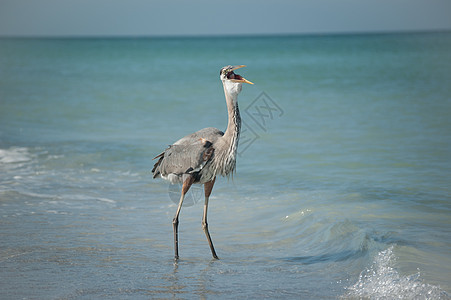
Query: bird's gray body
(192, 154)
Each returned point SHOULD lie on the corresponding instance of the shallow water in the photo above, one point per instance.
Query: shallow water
(342, 184)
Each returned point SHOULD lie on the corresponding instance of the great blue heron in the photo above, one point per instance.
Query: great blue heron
(200, 156)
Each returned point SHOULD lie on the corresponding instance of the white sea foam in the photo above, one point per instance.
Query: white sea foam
(39, 195)
(383, 281)
(14, 155)
(106, 200)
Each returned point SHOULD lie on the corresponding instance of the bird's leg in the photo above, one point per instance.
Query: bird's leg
(187, 182)
(208, 186)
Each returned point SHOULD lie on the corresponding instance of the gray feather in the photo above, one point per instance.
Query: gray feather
(189, 155)
(211, 134)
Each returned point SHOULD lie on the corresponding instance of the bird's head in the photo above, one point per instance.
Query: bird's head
(227, 74)
(232, 82)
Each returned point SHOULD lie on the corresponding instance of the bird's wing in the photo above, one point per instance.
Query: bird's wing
(211, 134)
(187, 155)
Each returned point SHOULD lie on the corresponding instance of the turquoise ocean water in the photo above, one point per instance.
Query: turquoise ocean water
(342, 186)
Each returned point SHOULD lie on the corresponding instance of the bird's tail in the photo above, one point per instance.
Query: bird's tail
(155, 169)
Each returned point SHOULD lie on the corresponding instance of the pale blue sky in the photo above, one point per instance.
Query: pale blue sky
(203, 17)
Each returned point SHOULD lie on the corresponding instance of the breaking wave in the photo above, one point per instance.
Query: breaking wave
(14, 155)
(383, 281)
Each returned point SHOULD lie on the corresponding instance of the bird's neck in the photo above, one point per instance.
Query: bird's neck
(225, 152)
(234, 119)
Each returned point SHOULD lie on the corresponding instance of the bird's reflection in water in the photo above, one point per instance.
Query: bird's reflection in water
(188, 279)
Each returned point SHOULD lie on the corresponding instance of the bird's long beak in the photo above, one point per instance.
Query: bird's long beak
(237, 67)
(239, 77)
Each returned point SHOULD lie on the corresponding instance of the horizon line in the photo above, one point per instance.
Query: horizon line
(244, 35)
